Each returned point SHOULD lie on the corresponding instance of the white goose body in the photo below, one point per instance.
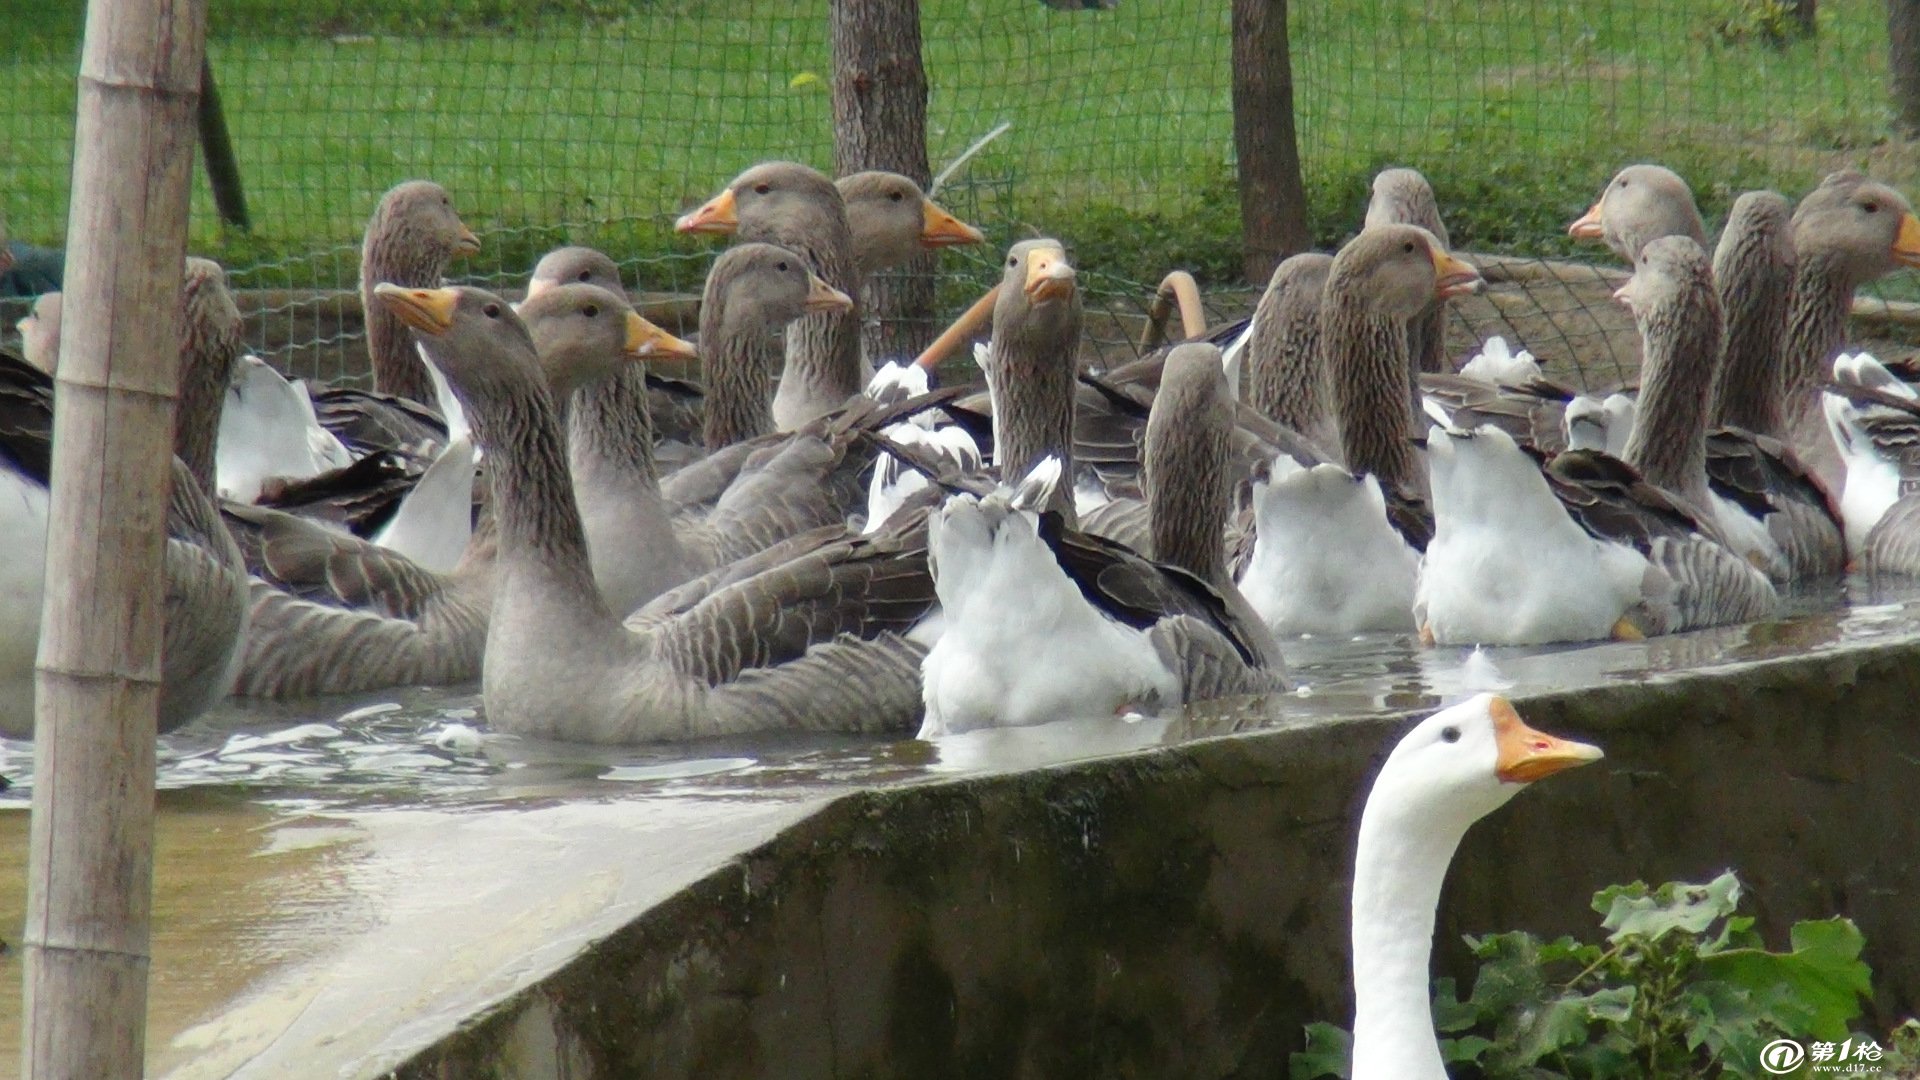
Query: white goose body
(24, 506)
(1507, 565)
(1021, 644)
(268, 429)
(1454, 768)
(1303, 515)
(1877, 432)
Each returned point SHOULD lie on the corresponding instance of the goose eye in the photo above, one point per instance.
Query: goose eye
(1013, 260)
(1450, 734)
(590, 311)
(491, 311)
(1871, 208)
(585, 275)
(1407, 247)
(762, 189)
(895, 196)
(782, 267)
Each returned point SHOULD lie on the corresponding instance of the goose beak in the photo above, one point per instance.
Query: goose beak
(1453, 277)
(535, 287)
(429, 311)
(940, 229)
(824, 297)
(1626, 294)
(1049, 276)
(1906, 246)
(466, 243)
(719, 215)
(1588, 226)
(1527, 755)
(646, 341)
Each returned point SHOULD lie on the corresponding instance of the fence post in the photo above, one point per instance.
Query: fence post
(1273, 200)
(1903, 62)
(880, 122)
(97, 679)
(216, 146)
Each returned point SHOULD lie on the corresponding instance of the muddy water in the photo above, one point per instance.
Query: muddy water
(340, 881)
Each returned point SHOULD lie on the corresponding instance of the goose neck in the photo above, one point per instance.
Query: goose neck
(1816, 324)
(1400, 865)
(393, 254)
(610, 429)
(1288, 379)
(1669, 440)
(1032, 377)
(739, 363)
(1366, 356)
(542, 546)
(1188, 491)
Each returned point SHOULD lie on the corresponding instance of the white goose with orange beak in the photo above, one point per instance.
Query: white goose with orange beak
(1456, 767)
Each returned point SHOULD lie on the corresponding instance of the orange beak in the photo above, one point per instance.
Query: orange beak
(1527, 755)
(1906, 246)
(824, 297)
(1049, 275)
(646, 341)
(1588, 225)
(429, 311)
(940, 229)
(719, 215)
(1451, 276)
(466, 243)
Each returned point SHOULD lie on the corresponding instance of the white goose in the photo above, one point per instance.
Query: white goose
(1874, 418)
(1454, 768)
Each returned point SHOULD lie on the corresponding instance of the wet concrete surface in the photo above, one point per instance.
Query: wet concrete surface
(347, 887)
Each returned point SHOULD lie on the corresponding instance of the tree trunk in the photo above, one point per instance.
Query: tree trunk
(90, 877)
(1807, 14)
(1273, 200)
(880, 122)
(1903, 62)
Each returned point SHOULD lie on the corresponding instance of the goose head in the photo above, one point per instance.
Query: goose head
(574, 266)
(1670, 272)
(1464, 762)
(1039, 289)
(1404, 197)
(472, 336)
(584, 333)
(769, 193)
(1640, 204)
(1393, 271)
(40, 332)
(766, 286)
(1866, 228)
(418, 216)
(893, 220)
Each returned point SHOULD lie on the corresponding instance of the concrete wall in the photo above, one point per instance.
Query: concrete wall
(1184, 912)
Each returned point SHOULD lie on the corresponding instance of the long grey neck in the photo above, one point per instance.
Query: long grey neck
(396, 366)
(206, 368)
(1669, 440)
(1817, 312)
(1366, 357)
(1033, 381)
(1288, 379)
(1188, 491)
(823, 361)
(1754, 282)
(739, 366)
(543, 548)
(1396, 892)
(610, 432)
(1427, 339)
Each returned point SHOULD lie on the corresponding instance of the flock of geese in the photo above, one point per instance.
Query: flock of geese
(621, 557)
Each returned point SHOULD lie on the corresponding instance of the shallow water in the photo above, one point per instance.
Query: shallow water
(432, 747)
(324, 863)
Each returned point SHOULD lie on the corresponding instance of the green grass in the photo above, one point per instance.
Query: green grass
(595, 121)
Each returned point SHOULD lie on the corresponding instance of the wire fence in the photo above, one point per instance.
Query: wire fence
(597, 121)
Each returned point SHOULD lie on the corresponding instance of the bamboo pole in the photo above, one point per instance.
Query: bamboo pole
(90, 874)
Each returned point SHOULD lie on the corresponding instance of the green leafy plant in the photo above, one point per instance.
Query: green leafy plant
(1776, 23)
(1682, 986)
